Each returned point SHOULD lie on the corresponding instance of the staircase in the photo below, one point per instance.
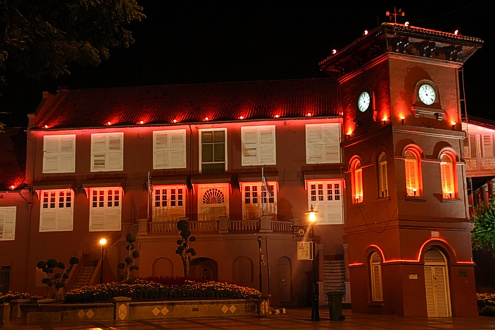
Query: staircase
(83, 276)
(333, 276)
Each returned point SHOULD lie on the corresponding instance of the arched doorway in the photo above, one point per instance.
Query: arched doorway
(204, 268)
(162, 267)
(437, 284)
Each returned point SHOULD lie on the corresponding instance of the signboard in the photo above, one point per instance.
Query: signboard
(304, 250)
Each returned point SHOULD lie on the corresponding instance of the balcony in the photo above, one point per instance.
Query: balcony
(224, 225)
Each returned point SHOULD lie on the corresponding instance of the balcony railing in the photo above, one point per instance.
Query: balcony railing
(223, 225)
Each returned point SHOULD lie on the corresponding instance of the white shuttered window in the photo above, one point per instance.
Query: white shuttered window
(7, 223)
(322, 143)
(107, 152)
(326, 198)
(59, 153)
(169, 149)
(258, 145)
(105, 209)
(57, 209)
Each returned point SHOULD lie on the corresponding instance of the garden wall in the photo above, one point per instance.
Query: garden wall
(122, 308)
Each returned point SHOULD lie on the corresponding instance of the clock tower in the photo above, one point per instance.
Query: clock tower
(407, 222)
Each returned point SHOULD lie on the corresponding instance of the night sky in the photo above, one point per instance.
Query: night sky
(245, 41)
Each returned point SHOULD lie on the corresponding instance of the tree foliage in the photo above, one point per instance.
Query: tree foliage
(56, 280)
(128, 266)
(40, 38)
(184, 249)
(483, 234)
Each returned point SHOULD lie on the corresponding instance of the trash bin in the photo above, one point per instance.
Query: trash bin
(335, 305)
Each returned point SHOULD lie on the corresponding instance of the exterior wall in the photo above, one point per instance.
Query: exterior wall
(402, 228)
(221, 249)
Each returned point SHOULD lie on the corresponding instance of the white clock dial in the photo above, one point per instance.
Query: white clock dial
(364, 101)
(427, 94)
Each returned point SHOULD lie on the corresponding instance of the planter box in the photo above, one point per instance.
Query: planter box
(122, 308)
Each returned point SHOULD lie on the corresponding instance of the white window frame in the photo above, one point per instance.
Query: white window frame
(169, 149)
(107, 152)
(326, 197)
(225, 162)
(105, 208)
(59, 153)
(7, 223)
(56, 210)
(323, 143)
(169, 202)
(256, 201)
(258, 145)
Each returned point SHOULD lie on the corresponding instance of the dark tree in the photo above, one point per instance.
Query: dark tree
(40, 38)
(129, 262)
(56, 280)
(184, 249)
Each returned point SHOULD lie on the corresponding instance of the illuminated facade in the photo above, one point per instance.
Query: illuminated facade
(375, 151)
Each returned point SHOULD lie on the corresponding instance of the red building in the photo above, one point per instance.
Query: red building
(376, 149)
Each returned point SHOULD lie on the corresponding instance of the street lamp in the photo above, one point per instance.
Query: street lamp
(103, 242)
(260, 259)
(315, 313)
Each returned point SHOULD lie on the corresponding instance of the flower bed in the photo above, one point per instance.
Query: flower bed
(161, 289)
(486, 303)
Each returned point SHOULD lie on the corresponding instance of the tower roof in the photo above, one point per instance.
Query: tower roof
(403, 39)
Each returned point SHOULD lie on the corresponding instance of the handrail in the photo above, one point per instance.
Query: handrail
(237, 226)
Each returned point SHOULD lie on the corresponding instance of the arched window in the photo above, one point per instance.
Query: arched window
(382, 176)
(357, 181)
(376, 277)
(448, 171)
(413, 172)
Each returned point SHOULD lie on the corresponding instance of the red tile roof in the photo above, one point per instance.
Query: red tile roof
(187, 103)
(12, 158)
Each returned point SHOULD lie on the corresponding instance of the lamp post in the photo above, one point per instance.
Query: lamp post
(260, 240)
(315, 313)
(103, 242)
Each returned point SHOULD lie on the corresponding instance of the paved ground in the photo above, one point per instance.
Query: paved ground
(297, 318)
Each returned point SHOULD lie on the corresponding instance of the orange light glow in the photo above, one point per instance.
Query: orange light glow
(418, 256)
(12, 187)
(206, 119)
(241, 117)
(365, 32)
(354, 264)
(349, 132)
(309, 114)
(46, 126)
(141, 122)
(109, 123)
(334, 51)
(385, 118)
(277, 116)
(174, 121)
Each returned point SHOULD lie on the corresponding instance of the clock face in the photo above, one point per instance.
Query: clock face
(364, 101)
(427, 94)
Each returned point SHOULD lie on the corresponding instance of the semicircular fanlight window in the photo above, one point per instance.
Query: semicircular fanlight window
(213, 196)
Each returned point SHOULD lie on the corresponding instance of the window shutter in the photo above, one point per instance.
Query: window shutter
(48, 220)
(258, 145)
(7, 223)
(322, 143)
(107, 152)
(59, 153)
(169, 149)
(487, 144)
(98, 152)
